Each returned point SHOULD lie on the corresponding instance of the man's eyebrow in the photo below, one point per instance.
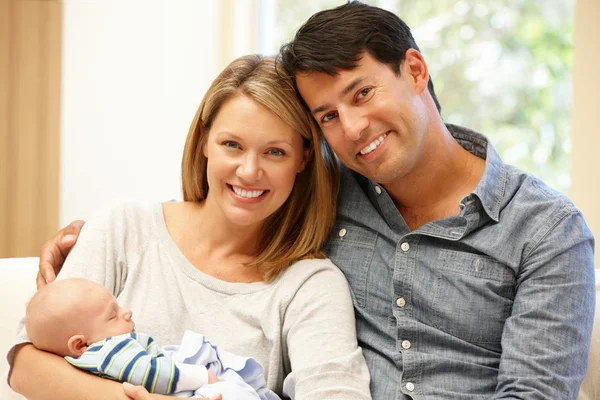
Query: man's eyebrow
(319, 109)
(350, 87)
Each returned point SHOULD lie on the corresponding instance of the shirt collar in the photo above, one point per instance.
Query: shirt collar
(492, 185)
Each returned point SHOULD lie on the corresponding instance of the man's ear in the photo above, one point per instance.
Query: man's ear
(77, 344)
(415, 69)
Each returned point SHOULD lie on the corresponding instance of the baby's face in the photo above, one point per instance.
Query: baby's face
(104, 317)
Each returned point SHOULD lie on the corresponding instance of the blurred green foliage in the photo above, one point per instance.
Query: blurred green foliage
(502, 67)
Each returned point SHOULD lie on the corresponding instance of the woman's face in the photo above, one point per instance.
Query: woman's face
(253, 158)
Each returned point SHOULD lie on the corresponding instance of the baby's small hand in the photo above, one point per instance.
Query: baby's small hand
(212, 377)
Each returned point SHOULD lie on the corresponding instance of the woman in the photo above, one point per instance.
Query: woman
(239, 260)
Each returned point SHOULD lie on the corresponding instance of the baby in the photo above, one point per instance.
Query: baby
(81, 321)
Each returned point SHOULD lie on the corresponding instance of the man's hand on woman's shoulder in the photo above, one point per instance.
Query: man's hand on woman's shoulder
(54, 252)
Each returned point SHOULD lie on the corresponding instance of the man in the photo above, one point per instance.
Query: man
(471, 279)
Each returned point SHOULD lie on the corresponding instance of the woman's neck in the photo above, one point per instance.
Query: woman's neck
(211, 242)
(221, 235)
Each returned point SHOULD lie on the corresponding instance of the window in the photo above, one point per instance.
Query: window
(500, 67)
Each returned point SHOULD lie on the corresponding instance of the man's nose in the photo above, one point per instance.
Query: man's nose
(353, 123)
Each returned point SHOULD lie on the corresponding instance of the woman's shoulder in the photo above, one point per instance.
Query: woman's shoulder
(126, 212)
(316, 288)
(311, 274)
(125, 219)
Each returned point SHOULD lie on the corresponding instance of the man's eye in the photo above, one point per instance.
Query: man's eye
(363, 93)
(329, 116)
(276, 152)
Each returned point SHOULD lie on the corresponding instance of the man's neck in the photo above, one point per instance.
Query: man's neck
(433, 190)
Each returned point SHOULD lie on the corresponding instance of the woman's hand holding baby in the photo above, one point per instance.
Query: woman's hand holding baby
(140, 393)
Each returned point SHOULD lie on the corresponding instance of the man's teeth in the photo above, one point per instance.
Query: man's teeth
(373, 145)
(247, 193)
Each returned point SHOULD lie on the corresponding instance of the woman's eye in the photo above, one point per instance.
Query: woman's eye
(276, 152)
(329, 116)
(230, 144)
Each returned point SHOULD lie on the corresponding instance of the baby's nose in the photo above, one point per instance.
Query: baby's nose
(127, 315)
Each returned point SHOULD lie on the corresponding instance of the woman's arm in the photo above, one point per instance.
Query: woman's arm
(322, 348)
(39, 375)
(99, 257)
(140, 393)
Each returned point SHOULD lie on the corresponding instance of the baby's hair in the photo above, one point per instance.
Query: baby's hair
(48, 314)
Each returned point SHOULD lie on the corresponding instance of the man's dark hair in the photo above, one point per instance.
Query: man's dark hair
(334, 39)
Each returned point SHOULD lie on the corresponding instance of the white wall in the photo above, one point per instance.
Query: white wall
(134, 73)
(585, 188)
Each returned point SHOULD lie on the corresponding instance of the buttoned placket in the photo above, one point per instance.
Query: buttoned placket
(403, 276)
(404, 271)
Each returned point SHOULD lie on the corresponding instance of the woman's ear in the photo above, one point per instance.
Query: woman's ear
(77, 345)
(204, 150)
(204, 139)
(204, 145)
(305, 157)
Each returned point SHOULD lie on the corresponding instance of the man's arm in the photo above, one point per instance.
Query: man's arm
(546, 340)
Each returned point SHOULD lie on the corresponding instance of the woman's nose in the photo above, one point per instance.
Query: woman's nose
(249, 169)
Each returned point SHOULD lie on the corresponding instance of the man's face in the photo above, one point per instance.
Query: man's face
(375, 121)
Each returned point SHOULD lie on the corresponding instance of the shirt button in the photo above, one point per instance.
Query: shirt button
(405, 246)
(410, 386)
(405, 344)
(378, 189)
(401, 302)
(342, 232)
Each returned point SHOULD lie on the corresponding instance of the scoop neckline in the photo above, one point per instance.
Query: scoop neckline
(194, 273)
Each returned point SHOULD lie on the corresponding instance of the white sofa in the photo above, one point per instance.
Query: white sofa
(17, 284)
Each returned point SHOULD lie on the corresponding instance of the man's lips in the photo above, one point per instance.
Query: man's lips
(373, 144)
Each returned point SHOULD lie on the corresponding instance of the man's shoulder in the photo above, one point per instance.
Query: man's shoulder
(525, 193)
(532, 213)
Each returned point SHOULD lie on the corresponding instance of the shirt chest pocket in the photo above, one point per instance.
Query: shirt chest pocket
(351, 249)
(473, 297)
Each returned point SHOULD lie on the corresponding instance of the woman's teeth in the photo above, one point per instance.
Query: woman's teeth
(250, 194)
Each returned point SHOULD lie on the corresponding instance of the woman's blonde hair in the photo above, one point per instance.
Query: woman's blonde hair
(298, 229)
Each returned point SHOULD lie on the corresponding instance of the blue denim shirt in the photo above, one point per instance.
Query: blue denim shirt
(495, 302)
